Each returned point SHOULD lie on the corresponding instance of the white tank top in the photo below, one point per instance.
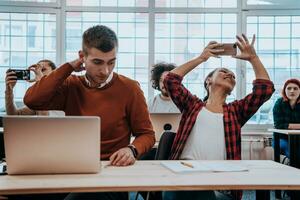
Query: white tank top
(207, 139)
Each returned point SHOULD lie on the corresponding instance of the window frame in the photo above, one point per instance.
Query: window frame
(245, 6)
(260, 12)
(56, 4)
(242, 11)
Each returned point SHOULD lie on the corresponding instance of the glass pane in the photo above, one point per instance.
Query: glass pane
(274, 3)
(38, 1)
(25, 38)
(278, 47)
(118, 3)
(180, 37)
(197, 3)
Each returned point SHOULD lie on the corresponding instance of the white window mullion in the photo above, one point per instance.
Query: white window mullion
(30, 4)
(151, 45)
(60, 34)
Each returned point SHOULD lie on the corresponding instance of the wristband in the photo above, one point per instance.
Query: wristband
(133, 149)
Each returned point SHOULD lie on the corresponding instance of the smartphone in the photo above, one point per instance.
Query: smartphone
(230, 49)
(22, 74)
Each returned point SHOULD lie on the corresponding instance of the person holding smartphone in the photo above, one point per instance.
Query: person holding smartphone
(117, 99)
(42, 68)
(210, 129)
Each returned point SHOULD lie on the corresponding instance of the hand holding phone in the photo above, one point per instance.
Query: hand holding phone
(230, 49)
(21, 74)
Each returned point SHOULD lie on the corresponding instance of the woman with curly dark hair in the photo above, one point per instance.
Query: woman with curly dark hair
(161, 103)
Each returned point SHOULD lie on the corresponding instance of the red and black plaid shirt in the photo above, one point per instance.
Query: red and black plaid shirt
(235, 114)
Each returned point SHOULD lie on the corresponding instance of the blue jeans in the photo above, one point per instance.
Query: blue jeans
(284, 149)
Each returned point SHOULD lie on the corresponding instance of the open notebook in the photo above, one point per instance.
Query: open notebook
(198, 166)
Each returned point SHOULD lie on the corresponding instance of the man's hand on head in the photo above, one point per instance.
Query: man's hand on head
(77, 65)
(122, 157)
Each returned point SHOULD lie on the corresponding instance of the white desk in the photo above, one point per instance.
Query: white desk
(285, 131)
(152, 176)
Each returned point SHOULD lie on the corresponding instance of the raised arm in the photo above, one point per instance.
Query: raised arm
(49, 93)
(180, 95)
(208, 52)
(10, 107)
(262, 89)
(248, 53)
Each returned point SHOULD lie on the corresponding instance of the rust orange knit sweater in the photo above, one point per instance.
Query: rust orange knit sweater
(120, 104)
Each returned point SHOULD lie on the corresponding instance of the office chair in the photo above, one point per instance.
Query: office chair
(162, 153)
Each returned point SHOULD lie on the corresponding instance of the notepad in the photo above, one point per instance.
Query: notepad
(178, 167)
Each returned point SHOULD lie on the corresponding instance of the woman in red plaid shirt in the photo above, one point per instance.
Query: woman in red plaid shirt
(211, 129)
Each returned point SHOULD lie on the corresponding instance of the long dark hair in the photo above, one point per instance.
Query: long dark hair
(210, 74)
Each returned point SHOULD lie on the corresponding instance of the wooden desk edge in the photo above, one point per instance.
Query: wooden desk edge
(285, 131)
(147, 188)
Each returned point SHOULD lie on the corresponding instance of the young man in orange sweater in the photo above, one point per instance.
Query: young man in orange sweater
(118, 100)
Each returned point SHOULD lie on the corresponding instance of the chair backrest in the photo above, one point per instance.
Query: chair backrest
(164, 146)
(162, 153)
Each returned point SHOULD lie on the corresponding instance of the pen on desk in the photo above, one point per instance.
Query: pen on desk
(187, 164)
(107, 165)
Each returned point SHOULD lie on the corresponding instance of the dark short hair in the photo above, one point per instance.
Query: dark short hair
(50, 63)
(292, 80)
(157, 71)
(99, 37)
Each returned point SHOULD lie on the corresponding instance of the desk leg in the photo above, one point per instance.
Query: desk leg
(295, 195)
(294, 146)
(276, 140)
(262, 195)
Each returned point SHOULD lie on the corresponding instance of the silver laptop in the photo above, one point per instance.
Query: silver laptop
(52, 145)
(164, 122)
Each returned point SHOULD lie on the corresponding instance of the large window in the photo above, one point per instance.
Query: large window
(152, 31)
(197, 3)
(25, 38)
(278, 45)
(34, 1)
(118, 3)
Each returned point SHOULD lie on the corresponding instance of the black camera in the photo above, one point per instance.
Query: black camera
(21, 74)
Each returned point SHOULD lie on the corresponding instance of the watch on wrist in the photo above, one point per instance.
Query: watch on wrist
(133, 149)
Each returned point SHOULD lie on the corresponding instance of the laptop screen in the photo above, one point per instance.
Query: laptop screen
(51, 145)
